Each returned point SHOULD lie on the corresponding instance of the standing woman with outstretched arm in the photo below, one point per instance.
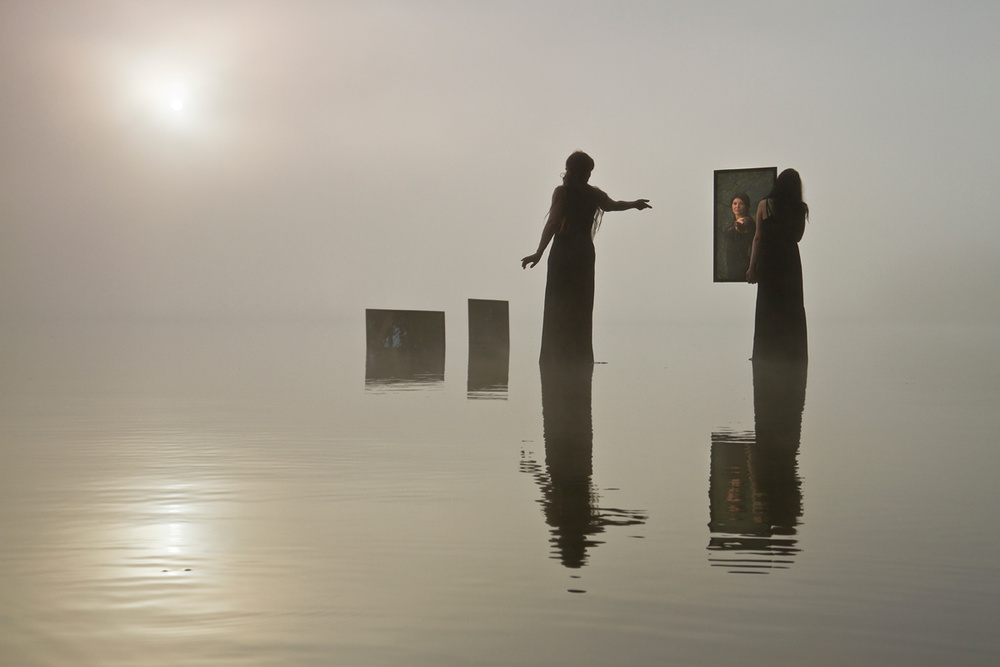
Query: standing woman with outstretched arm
(572, 222)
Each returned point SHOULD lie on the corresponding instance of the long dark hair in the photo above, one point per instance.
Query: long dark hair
(786, 194)
(577, 190)
(577, 164)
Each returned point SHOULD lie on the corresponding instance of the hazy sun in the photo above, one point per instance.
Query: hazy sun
(174, 95)
(165, 98)
(167, 94)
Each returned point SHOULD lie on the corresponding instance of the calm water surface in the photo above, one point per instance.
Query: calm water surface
(191, 494)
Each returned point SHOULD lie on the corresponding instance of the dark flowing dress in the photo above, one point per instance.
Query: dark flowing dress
(568, 322)
(780, 320)
(738, 241)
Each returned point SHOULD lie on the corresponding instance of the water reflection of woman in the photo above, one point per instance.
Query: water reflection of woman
(569, 499)
(573, 219)
(738, 237)
(779, 396)
(755, 493)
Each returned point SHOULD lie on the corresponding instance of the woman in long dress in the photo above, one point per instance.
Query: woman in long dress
(573, 219)
(775, 265)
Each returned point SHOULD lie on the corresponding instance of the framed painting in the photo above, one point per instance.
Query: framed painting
(404, 346)
(737, 193)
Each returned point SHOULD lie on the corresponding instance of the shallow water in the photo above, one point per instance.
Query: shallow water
(208, 494)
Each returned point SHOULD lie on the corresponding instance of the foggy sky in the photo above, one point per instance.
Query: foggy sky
(334, 156)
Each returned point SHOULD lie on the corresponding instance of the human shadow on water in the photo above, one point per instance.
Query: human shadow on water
(755, 494)
(569, 498)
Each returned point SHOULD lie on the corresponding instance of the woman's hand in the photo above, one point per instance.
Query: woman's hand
(752, 275)
(530, 261)
(641, 204)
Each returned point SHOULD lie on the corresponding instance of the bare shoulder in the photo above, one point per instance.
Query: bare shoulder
(762, 209)
(602, 197)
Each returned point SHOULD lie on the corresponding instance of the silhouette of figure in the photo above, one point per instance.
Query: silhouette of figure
(573, 219)
(775, 265)
(755, 494)
(569, 499)
(738, 237)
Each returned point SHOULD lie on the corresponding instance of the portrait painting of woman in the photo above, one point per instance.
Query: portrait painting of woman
(737, 193)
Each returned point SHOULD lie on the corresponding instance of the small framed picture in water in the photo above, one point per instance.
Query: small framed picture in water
(737, 193)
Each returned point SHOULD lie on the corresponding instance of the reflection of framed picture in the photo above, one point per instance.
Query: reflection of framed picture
(737, 193)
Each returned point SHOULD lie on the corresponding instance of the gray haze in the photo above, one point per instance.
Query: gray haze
(326, 157)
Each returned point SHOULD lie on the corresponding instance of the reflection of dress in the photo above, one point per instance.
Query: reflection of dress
(780, 322)
(568, 322)
(569, 498)
(779, 397)
(755, 493)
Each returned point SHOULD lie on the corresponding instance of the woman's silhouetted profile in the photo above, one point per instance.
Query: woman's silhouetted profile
(775, 265)
(573, 219)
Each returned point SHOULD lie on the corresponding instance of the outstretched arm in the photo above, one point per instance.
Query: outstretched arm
(638, 204)
(609, 204)
(552, 223)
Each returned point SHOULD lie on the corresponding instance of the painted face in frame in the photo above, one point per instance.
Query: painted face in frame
(739, 208)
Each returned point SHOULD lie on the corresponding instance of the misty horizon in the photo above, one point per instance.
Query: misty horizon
(237, 160)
